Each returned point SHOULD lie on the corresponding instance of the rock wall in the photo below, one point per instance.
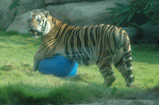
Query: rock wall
(6, 15)
(73, 12)
(11, 8)
(27, 5)
(19, 24)
(55, 2)
(84, 13)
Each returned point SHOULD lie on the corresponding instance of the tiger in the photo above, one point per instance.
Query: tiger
(104, 45)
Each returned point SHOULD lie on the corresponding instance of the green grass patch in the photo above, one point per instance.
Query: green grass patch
(19, 85)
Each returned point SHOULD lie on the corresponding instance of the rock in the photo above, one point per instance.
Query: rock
(84, 13)
(26, 5)
(59, 1)
(10, 8)
(54, 2)
(79, 13)
(20, 22)
(6, 14)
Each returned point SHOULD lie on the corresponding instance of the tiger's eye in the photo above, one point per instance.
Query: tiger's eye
(39, 20)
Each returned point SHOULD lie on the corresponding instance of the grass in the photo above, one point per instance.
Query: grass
(20, 85)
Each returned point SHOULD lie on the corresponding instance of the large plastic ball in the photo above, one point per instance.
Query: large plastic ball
(59, 66)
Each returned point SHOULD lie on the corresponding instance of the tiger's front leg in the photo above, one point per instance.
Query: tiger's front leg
(39, 55)
(35, 64)
(36, 61)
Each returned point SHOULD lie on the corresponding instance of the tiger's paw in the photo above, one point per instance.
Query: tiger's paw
(131, 85)
(130, 81)
(35, 68)
(109, 81)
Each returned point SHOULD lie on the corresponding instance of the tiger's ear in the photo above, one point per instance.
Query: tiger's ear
(46, 13)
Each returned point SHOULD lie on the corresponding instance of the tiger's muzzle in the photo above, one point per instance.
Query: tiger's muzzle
(34, 32)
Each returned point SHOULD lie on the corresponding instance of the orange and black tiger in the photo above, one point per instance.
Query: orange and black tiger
(102, 45)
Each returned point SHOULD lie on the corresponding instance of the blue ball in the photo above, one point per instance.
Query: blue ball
(59, 66)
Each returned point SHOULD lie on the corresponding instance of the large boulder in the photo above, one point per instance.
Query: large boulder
(6, 14)
(84, 13)
(10, 8)
(20, 22)
(55, 2)
(59, 1)
(26, 5)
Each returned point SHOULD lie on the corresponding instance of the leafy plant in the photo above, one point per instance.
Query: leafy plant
(136, 12)
(151, 10)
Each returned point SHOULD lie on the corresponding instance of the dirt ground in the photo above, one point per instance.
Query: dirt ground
(147, 98)
(125, 102)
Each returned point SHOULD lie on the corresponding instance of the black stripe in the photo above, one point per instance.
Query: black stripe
(128, 55)
(44, 26)
(120, 62)
(59, 30)
(119, 40)
(92, 36)
(91, 47)
(86, 40)
(97, 32)
(108, 40)
(58, 38)
(114, 39)
(79, 45)
(62, 34)
(72, 44)
(67, 35)
(64, 29)
(129, 63)
(105, 66)
(66, 42)
(85, 57)
(101, 47)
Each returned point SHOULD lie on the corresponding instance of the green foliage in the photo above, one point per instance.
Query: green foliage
(136, 12)
(151, 9)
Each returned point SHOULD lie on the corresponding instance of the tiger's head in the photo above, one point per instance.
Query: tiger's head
(39, 24)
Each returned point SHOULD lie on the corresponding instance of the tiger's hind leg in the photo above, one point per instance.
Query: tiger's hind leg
(124, 65)
(105, 66)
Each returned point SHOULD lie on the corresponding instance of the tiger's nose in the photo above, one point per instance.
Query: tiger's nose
(31, 28)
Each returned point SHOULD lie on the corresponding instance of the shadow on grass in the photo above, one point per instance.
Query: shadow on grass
(21, 94)
(27, 95)
(79, 78)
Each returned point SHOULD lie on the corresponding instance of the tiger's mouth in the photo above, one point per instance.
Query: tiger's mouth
(35, 32)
